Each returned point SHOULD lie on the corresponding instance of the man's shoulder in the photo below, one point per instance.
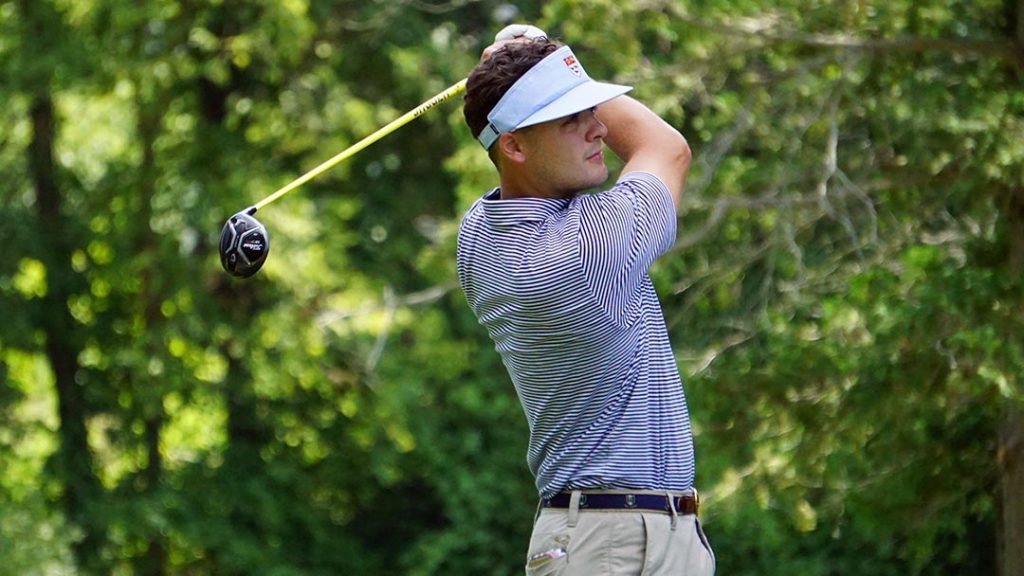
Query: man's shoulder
(638, 182)
(474, 214)
(632, 191)
(642, 178)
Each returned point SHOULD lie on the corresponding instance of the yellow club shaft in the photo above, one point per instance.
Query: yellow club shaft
(395, 124)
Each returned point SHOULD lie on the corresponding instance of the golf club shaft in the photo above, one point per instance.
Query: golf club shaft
(456, 88)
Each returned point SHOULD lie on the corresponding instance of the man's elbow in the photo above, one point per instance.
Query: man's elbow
(681, 152)
(679, 157)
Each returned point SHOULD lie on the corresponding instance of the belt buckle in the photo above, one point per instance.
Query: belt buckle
(696, 500)
(630, 501)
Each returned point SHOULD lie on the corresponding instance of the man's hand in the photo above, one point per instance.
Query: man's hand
(512, 33)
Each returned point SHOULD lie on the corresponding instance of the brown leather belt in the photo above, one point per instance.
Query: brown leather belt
(686, 504)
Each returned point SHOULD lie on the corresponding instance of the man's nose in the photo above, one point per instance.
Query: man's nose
(597, 128)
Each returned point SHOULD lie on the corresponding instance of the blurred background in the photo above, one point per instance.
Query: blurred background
(844, 296)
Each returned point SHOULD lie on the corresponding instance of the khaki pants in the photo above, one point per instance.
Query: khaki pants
(578, 542)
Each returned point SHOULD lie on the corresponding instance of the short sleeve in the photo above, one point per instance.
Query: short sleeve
(622, 231)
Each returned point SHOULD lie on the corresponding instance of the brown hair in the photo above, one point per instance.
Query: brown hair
(493, 77)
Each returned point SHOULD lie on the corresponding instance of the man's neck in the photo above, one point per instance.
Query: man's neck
(510, 188)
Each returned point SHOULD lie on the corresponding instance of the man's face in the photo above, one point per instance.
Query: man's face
(565, 155)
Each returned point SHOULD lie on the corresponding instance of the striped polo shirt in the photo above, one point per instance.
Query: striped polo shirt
(562, 287)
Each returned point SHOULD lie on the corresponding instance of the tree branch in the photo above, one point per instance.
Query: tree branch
(767, 29)
(391, 302)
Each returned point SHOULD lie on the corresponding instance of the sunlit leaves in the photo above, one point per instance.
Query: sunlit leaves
(30, 279)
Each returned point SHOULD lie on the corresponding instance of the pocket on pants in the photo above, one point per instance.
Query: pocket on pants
(549, 546)
(704, 541)
(547, 562)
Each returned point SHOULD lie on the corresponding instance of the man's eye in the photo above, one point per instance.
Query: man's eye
(576, 117)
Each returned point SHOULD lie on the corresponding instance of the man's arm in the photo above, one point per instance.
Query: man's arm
(646, 143)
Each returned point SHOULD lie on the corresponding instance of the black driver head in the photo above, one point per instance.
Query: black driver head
(244, 244)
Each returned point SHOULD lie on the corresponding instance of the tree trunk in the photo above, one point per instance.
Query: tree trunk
(1011, 456)
(1011, 435)
(73, 459)
(154, 559)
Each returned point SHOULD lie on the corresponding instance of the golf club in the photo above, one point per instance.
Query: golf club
(244, 241)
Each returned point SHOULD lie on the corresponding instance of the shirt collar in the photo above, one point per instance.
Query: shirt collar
(517, 210)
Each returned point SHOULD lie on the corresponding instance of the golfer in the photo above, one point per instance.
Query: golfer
(559, 279)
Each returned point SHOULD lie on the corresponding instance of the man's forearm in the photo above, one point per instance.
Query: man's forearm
(646, 142)
(632, 128)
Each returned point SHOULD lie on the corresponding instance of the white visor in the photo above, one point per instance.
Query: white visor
(555, 87)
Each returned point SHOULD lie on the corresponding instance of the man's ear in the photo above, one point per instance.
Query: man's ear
(510, 147)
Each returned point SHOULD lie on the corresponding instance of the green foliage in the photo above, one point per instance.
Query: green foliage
(843, 297)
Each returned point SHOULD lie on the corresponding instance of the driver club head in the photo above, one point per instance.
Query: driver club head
(244, 244)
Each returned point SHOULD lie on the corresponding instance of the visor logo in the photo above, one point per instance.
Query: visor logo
(573, 65)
